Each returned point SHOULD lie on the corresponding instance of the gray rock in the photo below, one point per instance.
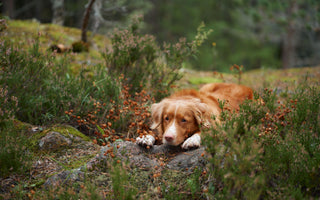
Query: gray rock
(157, 156)
(65, 177)
(188, 160)
(54, 140)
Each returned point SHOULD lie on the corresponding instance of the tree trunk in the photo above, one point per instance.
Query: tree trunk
(86, 21)
(289, 40)
(58, 12)
(8, 8)
(288, 48)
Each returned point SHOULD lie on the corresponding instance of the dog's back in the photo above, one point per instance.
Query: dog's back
(233, 94)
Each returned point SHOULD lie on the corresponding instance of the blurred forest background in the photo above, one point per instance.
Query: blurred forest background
(252, 33)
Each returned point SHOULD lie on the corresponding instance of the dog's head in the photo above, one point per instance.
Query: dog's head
(176, 120)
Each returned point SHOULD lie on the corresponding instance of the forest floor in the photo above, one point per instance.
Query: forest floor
(50, 167)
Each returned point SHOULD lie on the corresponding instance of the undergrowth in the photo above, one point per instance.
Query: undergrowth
(14, 155)
(270, 149)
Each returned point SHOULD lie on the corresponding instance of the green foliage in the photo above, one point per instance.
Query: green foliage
(27, 76)
(172, 192)
(234, 40)
(44, 86)
(121, 187)
(241, 30)
(85, 190)
(3, 25)
(194, 183)
(143, 63)
(80, 46)
(14, 156)
(9, 105)
(269, 149)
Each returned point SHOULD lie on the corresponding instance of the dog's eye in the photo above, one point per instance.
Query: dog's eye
(166, 118)
(183, 120)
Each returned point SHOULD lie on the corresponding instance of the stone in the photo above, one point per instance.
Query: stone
(188, 160)
(54, 140)
(65, 177)
(157, 156)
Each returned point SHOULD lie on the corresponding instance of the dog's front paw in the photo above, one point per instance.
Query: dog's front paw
(146, 140)
(192, 142)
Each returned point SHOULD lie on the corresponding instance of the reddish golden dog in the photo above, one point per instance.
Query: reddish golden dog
(179, 118)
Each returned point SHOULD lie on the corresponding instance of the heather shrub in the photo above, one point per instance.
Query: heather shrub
(270, 149)
(13, 155)
(3, 25)
(121, 187)
(31, 76)
(9, 105)
(45, 87)
(144, 63)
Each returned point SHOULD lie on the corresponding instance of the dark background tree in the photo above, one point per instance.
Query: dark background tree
(295, 24)
(255, 33)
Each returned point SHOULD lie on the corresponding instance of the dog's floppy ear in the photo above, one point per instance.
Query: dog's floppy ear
(202, 115)
(156, 114)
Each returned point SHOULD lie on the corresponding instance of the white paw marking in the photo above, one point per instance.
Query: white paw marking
(146, 140)
(193, 141)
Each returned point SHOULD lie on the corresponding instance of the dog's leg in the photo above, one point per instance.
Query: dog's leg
(146, 140)
(193, 141)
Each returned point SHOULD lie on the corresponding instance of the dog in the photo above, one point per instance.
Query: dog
(179, 118)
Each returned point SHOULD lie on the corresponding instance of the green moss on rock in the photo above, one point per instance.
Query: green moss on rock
(65, 130)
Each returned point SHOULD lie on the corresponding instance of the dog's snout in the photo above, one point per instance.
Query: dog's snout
(168, 138)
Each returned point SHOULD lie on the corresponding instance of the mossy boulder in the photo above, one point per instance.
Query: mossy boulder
(54, 140)
(55, 137)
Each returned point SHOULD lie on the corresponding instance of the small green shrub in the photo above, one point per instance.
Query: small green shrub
(80, 46)
(3, 25)
(9, 106)
(121, 187)
(143, 62)
(83, 190)
(14, 157)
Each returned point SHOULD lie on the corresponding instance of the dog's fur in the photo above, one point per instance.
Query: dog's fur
(178, 118)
